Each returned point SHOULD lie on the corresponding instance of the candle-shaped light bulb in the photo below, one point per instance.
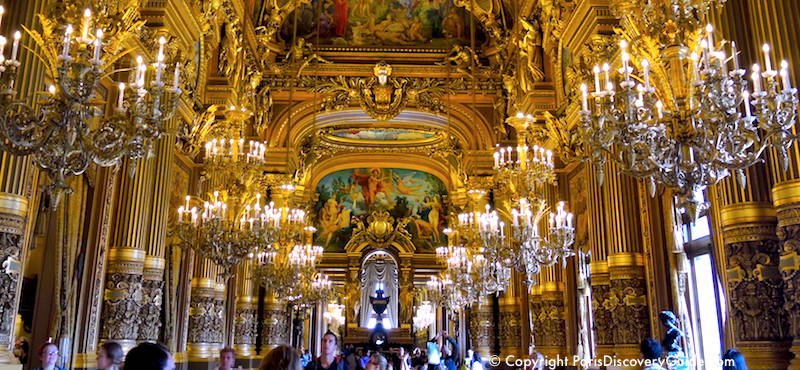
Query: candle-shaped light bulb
(159, 67)
(646, 73)
(606, 68)
(660, 108)
(625, 58)
(767, 61)
(177, 77)
(756, 76)
(161, 41)
(520, 115)
(746, 95)
(735, 55)
(98, 43)
(87, 19)
(15, 47)
(51, 89)
(2, 45)
(787, 83)
(710, 37)
(2, 11)
(596, 79)
(122, 97)
(584, 94)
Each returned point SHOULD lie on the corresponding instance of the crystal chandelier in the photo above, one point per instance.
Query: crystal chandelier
(230, 153)
(720, 127)
(225, 235)
(523, 168)
(535, 250)
(68, 129)
(424, 316)
(334, 316)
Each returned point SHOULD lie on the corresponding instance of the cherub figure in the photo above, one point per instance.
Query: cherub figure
(302, 54)
(463, 58)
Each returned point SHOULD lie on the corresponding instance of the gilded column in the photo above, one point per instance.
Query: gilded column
(627, 298)
(123, 296)
(274, 331)
(246, 317)
(752, 252)
(205, 318)
(603, 324)
(153, 277)
(511, 319)
(18, 182)
(775, 22)
(552, 339)
(482, 327)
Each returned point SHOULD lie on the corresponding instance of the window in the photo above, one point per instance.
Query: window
(703, 293)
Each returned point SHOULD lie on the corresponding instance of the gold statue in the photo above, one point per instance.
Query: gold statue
(530, 68)
(463, 58)
(302, 54)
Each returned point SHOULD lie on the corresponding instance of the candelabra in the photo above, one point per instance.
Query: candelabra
(524, 169)
(718, 128)
(68, 130)
(216, 233)
(536, 251)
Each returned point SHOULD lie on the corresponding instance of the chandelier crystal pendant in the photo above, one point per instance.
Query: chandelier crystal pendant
(721, 127)
(68, 130)
(225, 235)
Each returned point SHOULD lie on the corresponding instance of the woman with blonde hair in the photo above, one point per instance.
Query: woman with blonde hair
(281, 357)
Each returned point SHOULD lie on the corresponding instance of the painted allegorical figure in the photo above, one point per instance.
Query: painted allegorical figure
(340, 16)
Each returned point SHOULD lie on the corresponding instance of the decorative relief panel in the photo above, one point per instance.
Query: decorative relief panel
(122, 306)
(755, 289)
(790, 271)
(510, 329)
(205, 320)
(275, 326)
(481, 328)
(245, 326)
(152, 298)
(550, 318)
(604, 324)
(627, 303)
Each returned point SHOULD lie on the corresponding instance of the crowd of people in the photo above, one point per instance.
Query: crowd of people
(439, 354)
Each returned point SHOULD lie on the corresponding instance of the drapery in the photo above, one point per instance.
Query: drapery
(382, 271)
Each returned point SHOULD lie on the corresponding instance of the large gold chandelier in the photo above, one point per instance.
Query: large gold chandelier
(225, 234)
(524, 171)
(230, 153)
(688, 119)
(68, 129)
(286, 264)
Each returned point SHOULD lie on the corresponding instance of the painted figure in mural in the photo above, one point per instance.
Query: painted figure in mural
(340, 18)
(371, 183)
(332, 217)
(414, 196)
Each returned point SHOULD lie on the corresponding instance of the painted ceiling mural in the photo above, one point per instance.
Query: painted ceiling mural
(370, 23)
(350, 193)
(382, 134)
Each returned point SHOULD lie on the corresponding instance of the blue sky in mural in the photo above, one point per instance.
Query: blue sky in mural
(403, 193)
